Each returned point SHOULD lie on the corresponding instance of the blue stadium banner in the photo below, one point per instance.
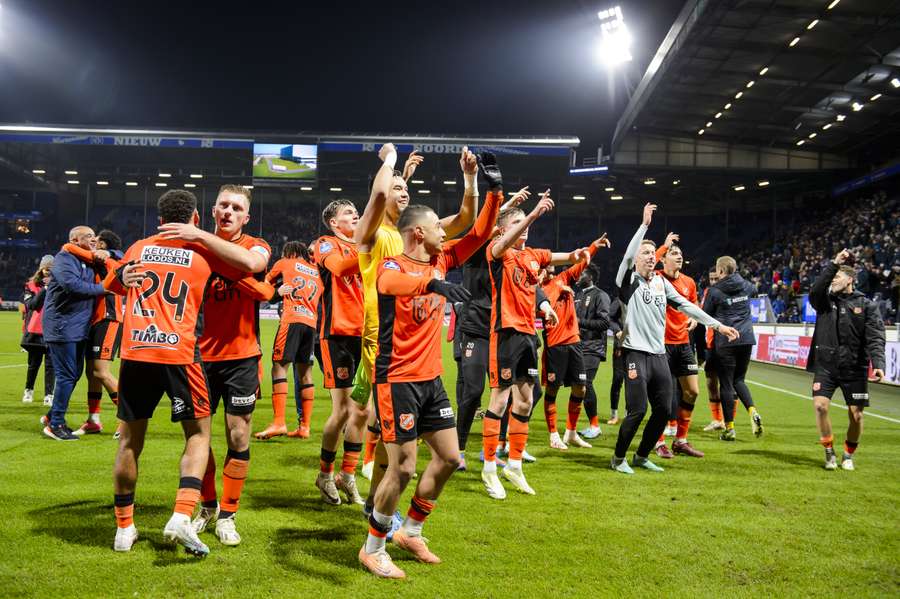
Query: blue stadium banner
(866, 180)
(130, 140)
(446, 148)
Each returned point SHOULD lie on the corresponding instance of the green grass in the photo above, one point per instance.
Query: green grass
(261, 170)
(759, 517)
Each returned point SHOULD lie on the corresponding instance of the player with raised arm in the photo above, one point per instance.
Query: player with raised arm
(340, 333)
(679, 352)
(160, 355)
(563, 359)
(645, 294)
(410, 399)
(849, 334)
(299, 286)
(514, 270)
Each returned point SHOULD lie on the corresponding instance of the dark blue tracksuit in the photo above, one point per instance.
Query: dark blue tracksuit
(68, 307)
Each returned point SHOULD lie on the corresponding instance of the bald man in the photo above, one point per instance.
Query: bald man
(67, 318)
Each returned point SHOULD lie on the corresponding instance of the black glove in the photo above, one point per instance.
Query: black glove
(488, 163)
(453, 292)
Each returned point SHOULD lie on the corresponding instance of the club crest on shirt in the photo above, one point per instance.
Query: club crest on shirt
(506, 373)
(342, 372)
(816, 386)
(551, 377)
(407, 421)
(325, 246)
(392, 265)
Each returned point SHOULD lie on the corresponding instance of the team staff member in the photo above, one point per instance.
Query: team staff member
(729, 301)
(592, 309)
(68, 307)
(410, 399)
(563, 358)
(163, 316)
(645, 295)
(679, 352)
(849, 334)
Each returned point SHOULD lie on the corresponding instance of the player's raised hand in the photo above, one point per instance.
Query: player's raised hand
(842, 256)
(602, 242)
(453, 292)
(185, 231)
(488, 163)
(518, 197)
(468, 162)
(386, 150)
(649, 209)
(730, 333)
(671, 238)
(412, 163)
(545, 204)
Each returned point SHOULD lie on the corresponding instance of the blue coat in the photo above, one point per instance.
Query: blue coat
(69, 303)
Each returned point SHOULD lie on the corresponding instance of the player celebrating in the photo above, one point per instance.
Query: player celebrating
(728, 300)
(563, 360)
(849, 333)
(644, 294)
(410, 399)
(340, 332)
(514, 271)
(160, 355)
(679, 352)
(231, 359)
(592, 309)
(298, 283)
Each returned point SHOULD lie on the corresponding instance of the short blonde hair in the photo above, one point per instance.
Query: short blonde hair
(649, 242)
(238, 189)
(726, 264)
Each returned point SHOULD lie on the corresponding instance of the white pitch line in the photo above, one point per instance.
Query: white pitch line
(13, 365)
(835, 404)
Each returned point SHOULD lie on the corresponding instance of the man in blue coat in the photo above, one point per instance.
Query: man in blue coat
(67, 317)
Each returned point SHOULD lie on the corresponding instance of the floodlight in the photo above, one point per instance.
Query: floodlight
(615, 39)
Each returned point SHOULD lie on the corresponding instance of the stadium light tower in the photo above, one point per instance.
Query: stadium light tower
(615, 39)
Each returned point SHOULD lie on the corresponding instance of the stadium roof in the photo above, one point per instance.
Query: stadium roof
(775, 74)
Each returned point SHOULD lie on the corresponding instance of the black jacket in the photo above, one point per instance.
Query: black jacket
(475, 318)
(728, 301)
(849, 330)
(616, 318)
(592, 311)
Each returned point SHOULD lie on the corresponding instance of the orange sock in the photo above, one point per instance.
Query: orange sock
(518, 435)
(371, 443)
(94, 398)
(685, 413)
(188, 495)
(351, 457)
(574, 412)
(208, 486)
(233, 475)
(420, 509)
(124, 508)
(715, 408)
(307, 394)
(736, 403)
(279, 399)
(550, 413)
(595, 421)
(490, 436)
(672, 423)
(827, 441)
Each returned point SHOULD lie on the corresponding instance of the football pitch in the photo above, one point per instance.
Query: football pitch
(758, 517)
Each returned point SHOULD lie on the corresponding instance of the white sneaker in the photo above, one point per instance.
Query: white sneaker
(226, 532)
(347, 484)
(671, 431)
(831, 463)
(847, 464)
(48, 400)
(715, 425)
(367, 470)
(517, 478)
(492, 485)
(204, 517)
(556, 442)
(28, 396)
(178, 530)
(326, 486)
(125, 538)
(572, 438)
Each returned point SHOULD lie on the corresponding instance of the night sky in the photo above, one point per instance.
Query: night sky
(523, 67)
